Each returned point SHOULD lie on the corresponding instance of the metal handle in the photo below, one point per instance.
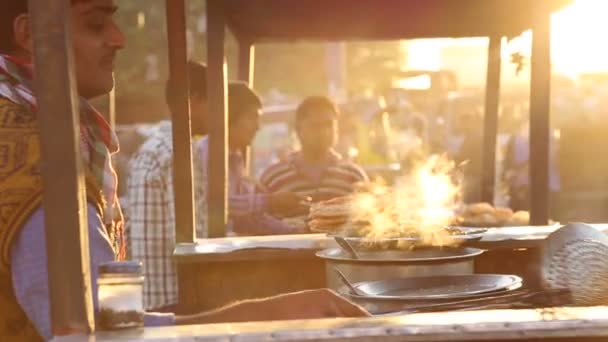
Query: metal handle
(347, 247)
(351, 287)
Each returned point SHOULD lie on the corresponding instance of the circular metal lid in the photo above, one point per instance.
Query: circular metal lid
(436, 287)
(422, 255)
(465, 234)
(121, 267)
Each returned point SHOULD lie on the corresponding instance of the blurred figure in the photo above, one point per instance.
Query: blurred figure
(317, 171)
(150, 204)
(130, 140)
(517, 170)
(251, 207)
(465, 147)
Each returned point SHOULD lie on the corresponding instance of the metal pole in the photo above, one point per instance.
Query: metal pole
(490, 130)
(336, 70)
(112, 108)
(64, 200)
(182, 133)
(540, 93)
(218, 129)
(246, 64)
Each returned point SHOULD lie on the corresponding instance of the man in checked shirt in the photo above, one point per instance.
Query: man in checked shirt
(150, 210)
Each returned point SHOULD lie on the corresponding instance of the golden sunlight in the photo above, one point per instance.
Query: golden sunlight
(578, 42)
(579, 38)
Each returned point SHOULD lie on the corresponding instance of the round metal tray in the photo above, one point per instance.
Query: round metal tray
(421, 255)
(436, 287)
(470, 234)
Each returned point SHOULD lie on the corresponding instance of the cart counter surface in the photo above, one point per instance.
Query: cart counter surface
(572, 324)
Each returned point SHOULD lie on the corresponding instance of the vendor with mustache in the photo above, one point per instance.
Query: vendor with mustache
(24, 288)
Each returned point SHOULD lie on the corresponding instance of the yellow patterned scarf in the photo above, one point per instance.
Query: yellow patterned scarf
(20, 181)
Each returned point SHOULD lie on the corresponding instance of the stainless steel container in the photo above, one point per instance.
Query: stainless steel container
(434, 293)
(383, 265)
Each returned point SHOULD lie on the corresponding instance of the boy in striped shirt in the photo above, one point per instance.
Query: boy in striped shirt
(317, 170)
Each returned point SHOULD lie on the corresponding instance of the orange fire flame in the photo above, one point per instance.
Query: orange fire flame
(420, 204)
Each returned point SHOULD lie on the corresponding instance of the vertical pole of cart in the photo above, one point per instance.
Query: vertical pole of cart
(246, 65)
(64, 200)
(182, 137)
(218, 126)
(112, 108)
(540, 93)
(491, 119)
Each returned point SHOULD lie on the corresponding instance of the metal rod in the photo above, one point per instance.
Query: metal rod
(350, 285)
(540, 93)
(490, 129)
(112, 108)
(67, 239)
(246, 62)
(182, 134)
(246, 74)
(218, 128)
(347, 247)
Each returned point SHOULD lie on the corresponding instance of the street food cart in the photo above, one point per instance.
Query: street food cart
(287, 262)
(217, 264)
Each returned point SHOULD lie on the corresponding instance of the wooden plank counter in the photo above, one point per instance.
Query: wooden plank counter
(215, 272)
(556, 324)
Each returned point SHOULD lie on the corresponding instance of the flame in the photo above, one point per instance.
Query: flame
(420, 204)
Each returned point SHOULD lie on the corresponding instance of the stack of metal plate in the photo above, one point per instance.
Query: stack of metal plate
(414, 293)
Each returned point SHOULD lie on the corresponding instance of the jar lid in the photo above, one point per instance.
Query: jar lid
(123, 267)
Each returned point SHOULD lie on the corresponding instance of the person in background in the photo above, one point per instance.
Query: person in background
(517, 170)
(317, 170)
(150, 201)
(465, 146)
(24, 278)
(130, 139)
(252, 210)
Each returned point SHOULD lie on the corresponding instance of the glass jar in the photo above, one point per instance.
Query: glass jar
(120, 293)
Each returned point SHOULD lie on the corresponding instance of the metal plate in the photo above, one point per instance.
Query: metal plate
(422, 255)
(469, 234)
(437, 287)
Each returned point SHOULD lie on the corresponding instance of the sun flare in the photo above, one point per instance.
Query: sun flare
(579, 38)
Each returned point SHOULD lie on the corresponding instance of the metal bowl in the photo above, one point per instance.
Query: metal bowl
(389, 264)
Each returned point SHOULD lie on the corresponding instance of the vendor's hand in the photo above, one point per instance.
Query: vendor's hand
(310, 304)
(286, 204)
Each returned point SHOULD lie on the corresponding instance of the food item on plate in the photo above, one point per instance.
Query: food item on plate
(337, 207)
(503, 214)
(299, 222)
(483, 220)
(521, 218)
(326, 225)
(329, 216)
(480, 209)
(485, 215)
